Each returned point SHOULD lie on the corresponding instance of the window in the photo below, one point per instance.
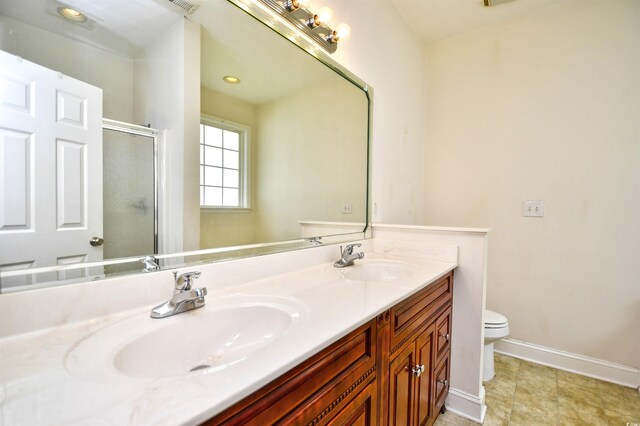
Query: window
(223, 168)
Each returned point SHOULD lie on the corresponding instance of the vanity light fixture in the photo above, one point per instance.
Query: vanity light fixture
(292, 5)
(71, 14)
(231, 79)
(316, 26)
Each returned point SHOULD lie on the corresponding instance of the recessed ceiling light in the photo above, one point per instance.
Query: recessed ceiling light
(71, 14)
(231, 79)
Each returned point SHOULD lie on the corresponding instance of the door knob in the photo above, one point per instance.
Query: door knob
(417, 370)
(445, 335)
(96, 241)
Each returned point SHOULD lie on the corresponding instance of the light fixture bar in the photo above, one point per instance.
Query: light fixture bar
(294, 19)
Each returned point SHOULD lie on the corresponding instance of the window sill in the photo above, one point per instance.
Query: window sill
(218, 210)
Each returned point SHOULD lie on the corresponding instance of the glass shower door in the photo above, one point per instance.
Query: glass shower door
(129, 192)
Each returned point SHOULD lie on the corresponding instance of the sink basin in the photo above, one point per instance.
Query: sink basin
(211, 337)
(210, 340)
(378, 270)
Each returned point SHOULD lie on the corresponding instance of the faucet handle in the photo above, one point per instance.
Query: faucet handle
(349, 248)
(183, 282)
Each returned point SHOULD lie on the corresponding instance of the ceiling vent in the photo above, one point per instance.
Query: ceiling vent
(185, 6)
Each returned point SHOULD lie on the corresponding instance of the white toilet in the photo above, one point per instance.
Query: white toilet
(496, 327)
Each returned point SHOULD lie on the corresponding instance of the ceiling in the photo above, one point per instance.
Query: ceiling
(231, 42)
(438, 19)
(234, 44)
(123, 27)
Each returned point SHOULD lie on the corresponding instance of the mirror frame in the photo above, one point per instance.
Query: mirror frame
(265, 16)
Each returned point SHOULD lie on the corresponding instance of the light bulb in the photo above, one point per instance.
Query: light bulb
(343, 32)
(71, 14)
(324, 15)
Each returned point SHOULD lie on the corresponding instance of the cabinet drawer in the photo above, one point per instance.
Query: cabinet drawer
(443, 334)
(407, 316)
(441, 384)
(314, 391)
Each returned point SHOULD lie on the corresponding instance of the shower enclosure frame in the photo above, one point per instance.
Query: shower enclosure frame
(134, 129)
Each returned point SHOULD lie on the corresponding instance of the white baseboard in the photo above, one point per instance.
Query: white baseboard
(579, 364)
(466, 405)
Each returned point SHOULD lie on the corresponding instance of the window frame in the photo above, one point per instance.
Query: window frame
(244, 163)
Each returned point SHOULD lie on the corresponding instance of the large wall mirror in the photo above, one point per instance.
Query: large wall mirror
(138, 129)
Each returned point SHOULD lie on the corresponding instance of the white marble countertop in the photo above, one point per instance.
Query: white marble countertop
(46, 377)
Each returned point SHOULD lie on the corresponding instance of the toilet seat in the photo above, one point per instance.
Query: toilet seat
(494, 320)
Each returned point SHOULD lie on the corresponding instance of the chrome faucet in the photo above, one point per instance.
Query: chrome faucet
(315, 240)
(184, 297)
(348, 256)
(150, 263)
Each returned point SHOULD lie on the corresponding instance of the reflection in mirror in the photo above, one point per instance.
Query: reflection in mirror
(274, 152)
(130, 225)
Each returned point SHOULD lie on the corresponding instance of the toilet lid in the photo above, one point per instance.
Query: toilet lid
(494, 319)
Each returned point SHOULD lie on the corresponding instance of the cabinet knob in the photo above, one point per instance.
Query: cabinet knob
(417, 370)
(444, 382)
(445, 335)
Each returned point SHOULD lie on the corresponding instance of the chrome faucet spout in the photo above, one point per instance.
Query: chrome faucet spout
(184, 297)
(348, 256)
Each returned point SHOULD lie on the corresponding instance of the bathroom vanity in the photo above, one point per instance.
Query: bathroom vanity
(393, 370)
(291, 338)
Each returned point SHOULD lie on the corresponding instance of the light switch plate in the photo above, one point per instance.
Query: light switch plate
(533, 208)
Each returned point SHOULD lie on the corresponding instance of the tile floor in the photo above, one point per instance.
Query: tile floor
(527, 394)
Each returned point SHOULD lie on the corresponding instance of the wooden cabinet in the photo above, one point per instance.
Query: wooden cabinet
(410, 382)
(424, 383)
(401, 387)
(394, 370)
(360, 411)
(316, 391)
(418, 357)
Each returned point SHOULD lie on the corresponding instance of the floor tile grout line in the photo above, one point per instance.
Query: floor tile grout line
(513, 397)
(555, 373)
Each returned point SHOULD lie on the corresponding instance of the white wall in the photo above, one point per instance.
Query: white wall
(112, 73)
(546, 107)
(302, 165)
(387, 55)
(167, 96)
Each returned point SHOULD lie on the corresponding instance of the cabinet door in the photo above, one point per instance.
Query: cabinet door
(424, 397)
(401, 388)
(361, 411)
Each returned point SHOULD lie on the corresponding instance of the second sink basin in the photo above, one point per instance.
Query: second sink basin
(211, 337)
(378, 270)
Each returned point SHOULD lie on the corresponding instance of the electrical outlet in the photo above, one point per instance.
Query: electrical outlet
(533, 208)
(347, 208)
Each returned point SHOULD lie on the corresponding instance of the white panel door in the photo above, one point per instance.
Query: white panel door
(50, 170)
